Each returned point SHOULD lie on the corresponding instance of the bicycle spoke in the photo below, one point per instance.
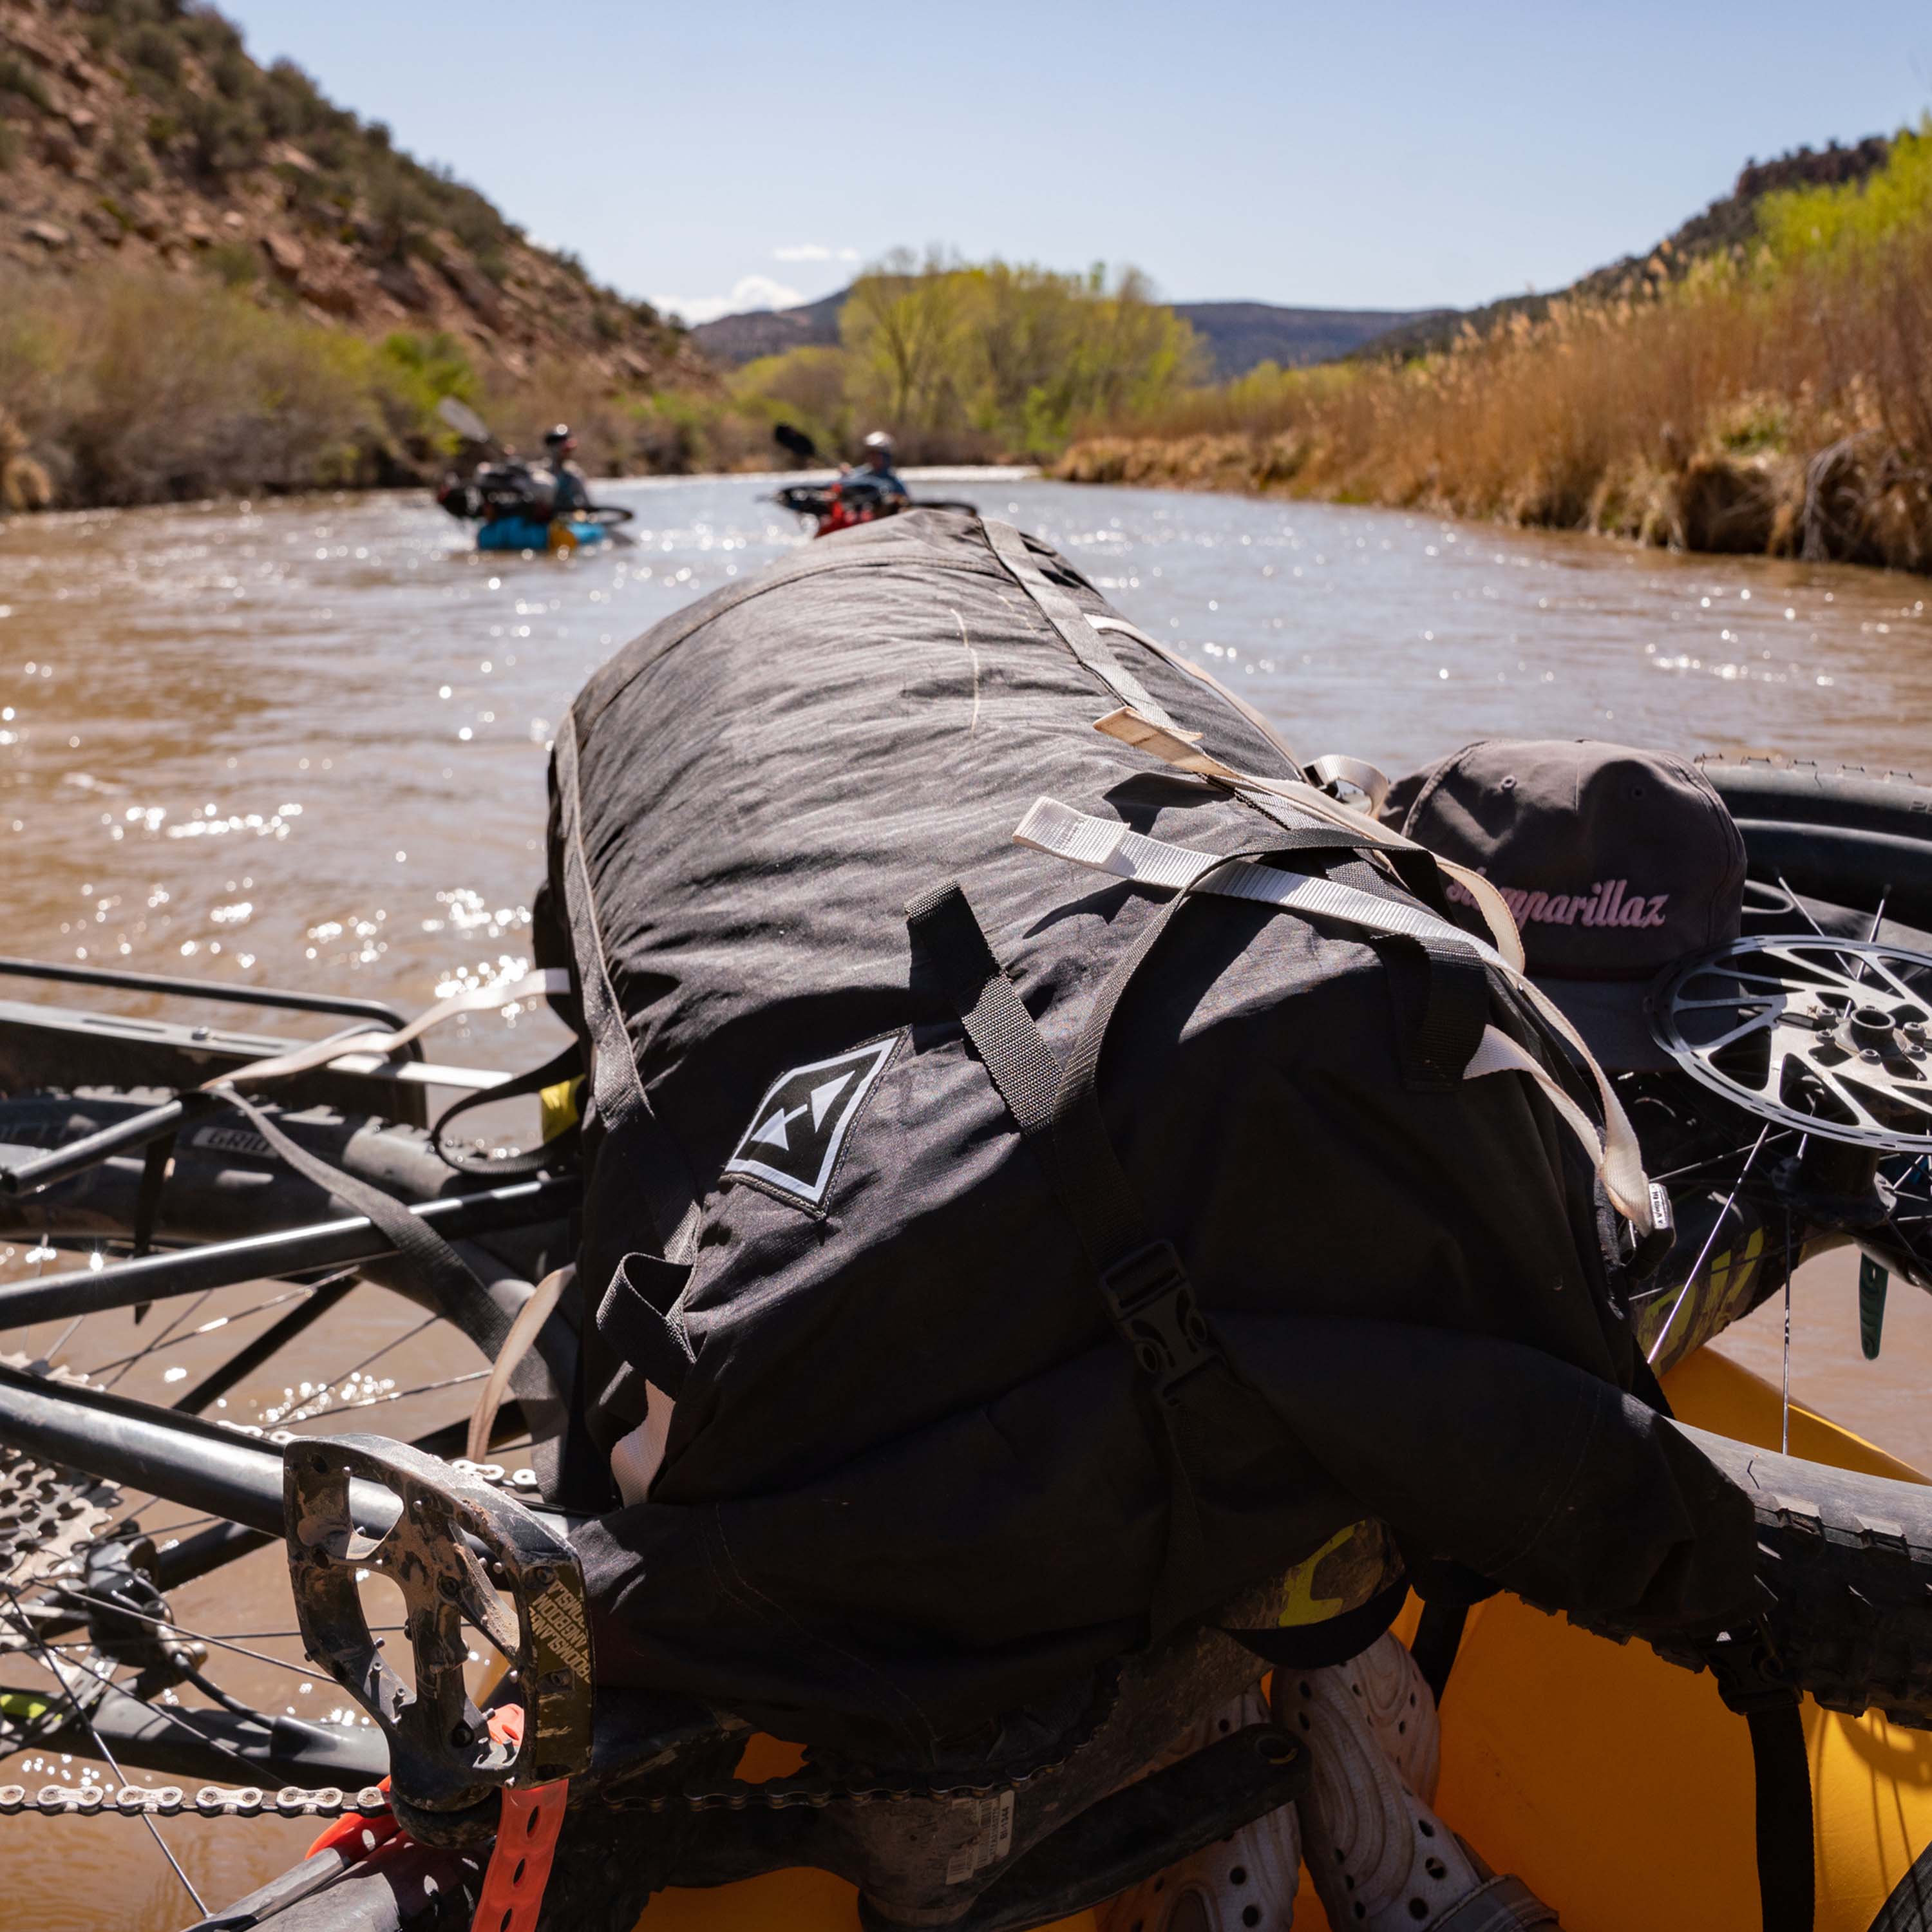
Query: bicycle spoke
(166, 1334)
(113, 1765)
(193, 1636)
(1710, 1242)
(390, 1395)
(355, 1369)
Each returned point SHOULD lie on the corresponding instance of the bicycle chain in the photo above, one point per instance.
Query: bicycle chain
(518, 1482)
(295, 1801)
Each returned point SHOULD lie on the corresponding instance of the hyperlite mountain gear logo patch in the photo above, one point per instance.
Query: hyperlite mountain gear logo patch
(793, 1141)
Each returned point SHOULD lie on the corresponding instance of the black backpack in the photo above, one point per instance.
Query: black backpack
(1036, 1256)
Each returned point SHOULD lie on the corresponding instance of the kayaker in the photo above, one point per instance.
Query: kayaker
(875, 466)
(571, 492)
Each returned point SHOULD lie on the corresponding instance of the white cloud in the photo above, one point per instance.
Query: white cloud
(814, 251)
(749, 292)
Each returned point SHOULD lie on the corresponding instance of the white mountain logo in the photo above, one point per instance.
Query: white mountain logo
(799, 1127)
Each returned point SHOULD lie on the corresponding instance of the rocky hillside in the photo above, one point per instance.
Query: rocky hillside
(1729, 223)
(141, 132)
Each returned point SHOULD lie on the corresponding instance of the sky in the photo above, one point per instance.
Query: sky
(1368, 154)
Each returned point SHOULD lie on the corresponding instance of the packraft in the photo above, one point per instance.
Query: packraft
(514, 506)
(999, 1249)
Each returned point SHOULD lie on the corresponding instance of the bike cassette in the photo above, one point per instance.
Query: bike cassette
(454, 1544)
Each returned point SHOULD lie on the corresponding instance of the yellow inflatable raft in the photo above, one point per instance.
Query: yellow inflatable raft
(1616, 1785)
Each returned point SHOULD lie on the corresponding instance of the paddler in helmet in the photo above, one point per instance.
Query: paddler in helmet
(875, 466)
(572, 494)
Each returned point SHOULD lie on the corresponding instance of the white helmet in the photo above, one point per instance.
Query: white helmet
(879, 439)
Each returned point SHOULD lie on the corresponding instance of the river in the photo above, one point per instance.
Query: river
(303, 744)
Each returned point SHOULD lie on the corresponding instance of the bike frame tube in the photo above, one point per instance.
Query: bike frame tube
(172, 987)
(180, 1458)
(290, 1252)
(203, 1745)
(61, 1163)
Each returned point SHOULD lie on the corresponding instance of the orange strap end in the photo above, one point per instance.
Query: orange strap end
(355, 1835)
(513, 1887)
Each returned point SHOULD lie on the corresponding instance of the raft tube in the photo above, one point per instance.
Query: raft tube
(1842, 835)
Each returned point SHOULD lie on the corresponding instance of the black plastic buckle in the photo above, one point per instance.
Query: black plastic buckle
(1152, 1303)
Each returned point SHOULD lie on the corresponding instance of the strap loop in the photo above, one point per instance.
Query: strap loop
(1108, 845)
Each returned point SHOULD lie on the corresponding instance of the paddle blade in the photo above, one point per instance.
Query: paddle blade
(462, 419)
(795, 442)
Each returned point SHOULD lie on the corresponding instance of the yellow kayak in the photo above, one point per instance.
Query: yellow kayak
(1618, 1786)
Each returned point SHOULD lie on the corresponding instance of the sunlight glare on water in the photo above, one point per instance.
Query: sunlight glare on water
(305, 742)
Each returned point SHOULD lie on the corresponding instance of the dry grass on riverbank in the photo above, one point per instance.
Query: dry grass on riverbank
(1783, 406)
(130, 387)
(140, 386)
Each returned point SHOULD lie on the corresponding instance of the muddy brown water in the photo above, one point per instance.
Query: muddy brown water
(303, 744)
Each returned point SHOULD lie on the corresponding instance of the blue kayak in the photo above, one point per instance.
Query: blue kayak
(527, 533)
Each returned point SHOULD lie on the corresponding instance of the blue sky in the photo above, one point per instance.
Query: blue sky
(1370, 155)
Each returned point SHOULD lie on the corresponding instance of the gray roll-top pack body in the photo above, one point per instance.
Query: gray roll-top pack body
(1005, 1262)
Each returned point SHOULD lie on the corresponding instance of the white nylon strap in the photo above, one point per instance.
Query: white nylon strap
(1131, 728)
(1077, 631)
(1497, 1053)
(1106, 845)
(636, 1458)
(324, 1052)
(517, 1344)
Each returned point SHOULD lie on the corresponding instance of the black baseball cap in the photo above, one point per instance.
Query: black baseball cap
(1616, 863)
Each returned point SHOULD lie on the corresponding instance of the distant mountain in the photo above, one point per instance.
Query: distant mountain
(736, 340)
(1728, 225)
(1237, 335)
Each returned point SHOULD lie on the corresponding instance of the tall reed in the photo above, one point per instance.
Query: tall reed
(1782, 402)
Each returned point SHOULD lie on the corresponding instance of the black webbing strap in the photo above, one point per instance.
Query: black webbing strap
(563, 1065)
(1781, 1770)
(1330, 1640)
(1449, 1590)
(1440, 986)
(1020, 1063)
(1438, 1637)
(652, 1162)
(641, 1345)
(1090, 1169)
(451, 1284)
(148, 1200)
(1751, 1684)
(1145, 1290)
(1441, 991)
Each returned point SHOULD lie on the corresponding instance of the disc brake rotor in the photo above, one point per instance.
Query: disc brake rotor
(1831, 1036)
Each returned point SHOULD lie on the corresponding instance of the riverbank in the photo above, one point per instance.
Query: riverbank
(1776, 403)
(1858, 499)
